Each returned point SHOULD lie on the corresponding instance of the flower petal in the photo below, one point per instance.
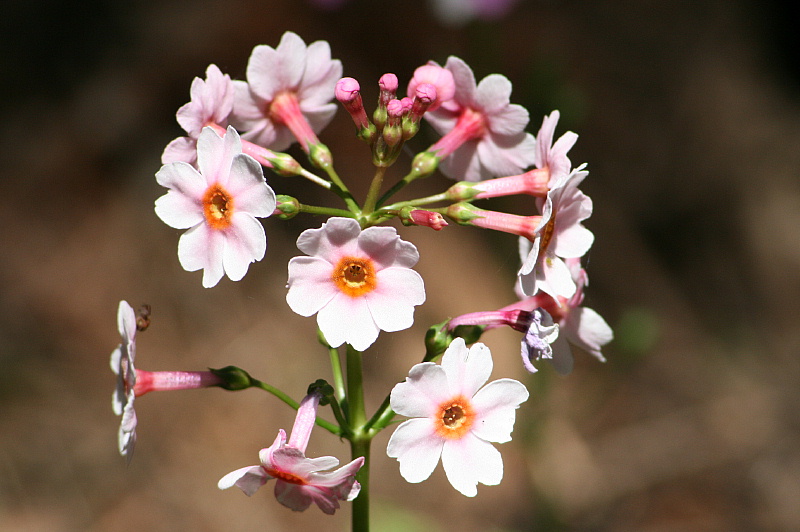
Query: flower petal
(417, 448)
(469, 461)
(392, 302)
(420, 394)
(336, 238)
(310, 285)
(248, 187)
(245, 242)
(202, 248)
(496, 405)
(178, 210)
(467, 369)
(183, 179)
(346, 319)
(248, 479)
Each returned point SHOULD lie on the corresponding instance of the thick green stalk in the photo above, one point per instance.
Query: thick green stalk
(374, 190)
(359, 440)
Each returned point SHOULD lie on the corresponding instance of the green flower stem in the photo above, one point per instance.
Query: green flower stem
(327, 211)
(338, 379)
(415, 202)
(327, 425)
(324, 183)
(374, 190)
(341, 190)
(383, 416)
(395, 189)
(359, 440)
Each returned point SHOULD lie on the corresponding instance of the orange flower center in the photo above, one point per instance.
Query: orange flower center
(217, 207)
(454, 418)
(286, 477)
(354, 276)
(547, 233)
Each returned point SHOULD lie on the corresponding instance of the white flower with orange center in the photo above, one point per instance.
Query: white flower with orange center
(358, 283)
(455, 418)
(219, 205)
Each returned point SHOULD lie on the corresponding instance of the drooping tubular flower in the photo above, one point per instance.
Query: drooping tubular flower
(455, 418)
(218, 203)
(288, 93)
(122, 365)
(561, 236)
(357, 282)
(553, 157)
(484, 134)
(211, 104)
(579, 325)
(299, 481)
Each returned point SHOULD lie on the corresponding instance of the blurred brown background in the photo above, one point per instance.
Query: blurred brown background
(689, 117)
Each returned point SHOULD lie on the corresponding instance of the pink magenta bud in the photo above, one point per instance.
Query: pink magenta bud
(424, 98)
(388, 85)
(439, 77)
(347, 92)
(412, 216)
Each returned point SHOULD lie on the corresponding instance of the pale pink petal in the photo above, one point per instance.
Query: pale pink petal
(467, 369)
(310, 286)
(495, 155)
(464, 80)
(493, 94)
(464, 164)
(346, 319)
(247, 479)
(544, 139)
(384, 247)
(248, 110)
(588, 330)
(245, 242)
(422, 392)
(247, 185)
(293, 496)
(320, 75)
(469, 461)
(183, 178)
(318, 116)
(126, 324)
(178, 210)
(572, 242)
(180, 149)
(562, 360)
(340, 481)
(336, 238)
(510, 120)
(202, 248)
(496, 404)
(392, 302)
(214, 154)
(291, 460)
(271, 70)
(417, 448)
(553, 277)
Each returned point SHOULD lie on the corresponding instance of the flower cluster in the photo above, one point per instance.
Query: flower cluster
(356, 274)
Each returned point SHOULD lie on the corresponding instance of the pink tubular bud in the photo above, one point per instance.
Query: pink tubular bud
(347, 92)
(517, 319)
(304, 422)
(533, 182)
(161, 381)
(471, 125)
(388, 85)
(396, 110)
(468, 214)
(412, 216)
(439, 77)
(424, 98)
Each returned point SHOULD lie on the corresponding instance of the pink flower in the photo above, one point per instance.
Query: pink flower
(357, 282)
(560, 236)
(122, 365)
(483, 131)
(219, 205)
(553, 157)
(211, 103)
(579, 326)
(299, 480)
(288, 93)
(440, 78)
(454, 418)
